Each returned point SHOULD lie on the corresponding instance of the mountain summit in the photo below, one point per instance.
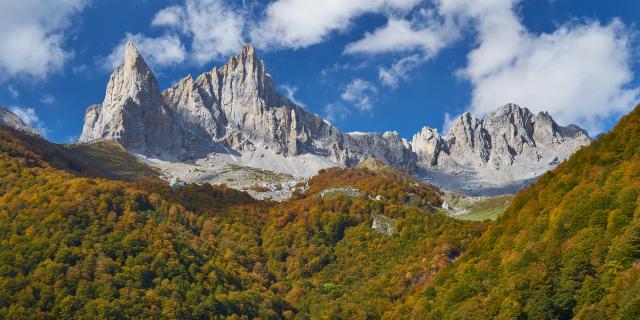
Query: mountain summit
(508, 145)
(233, 114)
(8, 118)
(133, 111)
(233, 109)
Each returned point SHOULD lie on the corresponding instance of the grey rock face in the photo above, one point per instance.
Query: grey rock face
(388, 146)
(427, 145)
(133, 111)
(8, 118)
(234, 108)
(383, 225)
(510, 144)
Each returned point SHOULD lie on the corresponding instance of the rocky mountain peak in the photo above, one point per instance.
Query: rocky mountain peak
(234, 110)
(133, 110)
(426, 144)
(249, 53)
(132, 58)
(507, 145)
(8, 118)
(245, 79)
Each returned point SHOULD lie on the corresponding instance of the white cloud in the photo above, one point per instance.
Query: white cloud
(163, 51)
(13, 92)
(48, 99)
(425, 32)
(447, 123)
(169, 16)
(579, 73)
(290, 92)
(335, 112)
(29, 116)
(359, 92)
(215, 28)
(301, 23)
(32, 35)
(399, 70)
(218, 28)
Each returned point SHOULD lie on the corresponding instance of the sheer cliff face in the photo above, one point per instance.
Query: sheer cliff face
(234, 106)
(133, 111)
(510, 144)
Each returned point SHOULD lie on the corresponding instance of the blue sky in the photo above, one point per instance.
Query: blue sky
(368, 65)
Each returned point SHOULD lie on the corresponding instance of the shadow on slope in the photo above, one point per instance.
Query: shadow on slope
(102, 159)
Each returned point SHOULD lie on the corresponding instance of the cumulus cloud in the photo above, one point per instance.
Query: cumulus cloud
(447, 123)
(170, 16)
(580, 73)
(424, 32)
(29, 116)
(32, 35)
(399, 70)
(214, 27)
(359, 92)
(162, 51)
(301, 23)
(197, 31)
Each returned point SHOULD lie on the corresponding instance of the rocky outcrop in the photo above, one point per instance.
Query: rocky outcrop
(8, 118)
(427, 145)
(235, 113)
(510, 144)
(133, 111)
(382, 224)
(234, 108)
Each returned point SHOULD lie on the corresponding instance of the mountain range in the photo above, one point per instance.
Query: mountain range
(364, 242)
(89, 231)
(234, 115)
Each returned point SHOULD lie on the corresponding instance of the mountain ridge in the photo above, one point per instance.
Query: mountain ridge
(234, 111)
(505, 146)
(10, 119)
(567, 247)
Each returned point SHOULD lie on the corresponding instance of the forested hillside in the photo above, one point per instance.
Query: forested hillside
(358, 243)
(104, 159)
(86, 248)
(330, 263)
(568, 246)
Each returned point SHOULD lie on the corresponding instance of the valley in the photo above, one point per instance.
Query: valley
(220, 198)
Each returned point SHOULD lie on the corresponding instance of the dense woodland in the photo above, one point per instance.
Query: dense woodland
(86, 248)
(74, 246)
(567, 247)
